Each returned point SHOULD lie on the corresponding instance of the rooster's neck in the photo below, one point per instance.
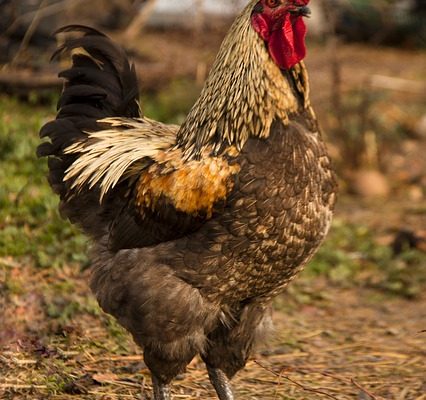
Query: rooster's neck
(244, 93)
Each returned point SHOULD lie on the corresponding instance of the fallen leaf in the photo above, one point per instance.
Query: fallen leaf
(105, 378)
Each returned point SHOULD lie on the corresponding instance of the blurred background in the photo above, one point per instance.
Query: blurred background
(352, 326)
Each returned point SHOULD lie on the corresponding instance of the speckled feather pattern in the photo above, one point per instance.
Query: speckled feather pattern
(276, 217)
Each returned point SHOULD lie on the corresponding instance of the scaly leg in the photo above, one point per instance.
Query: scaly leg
(161, 390)
(221, 383)
(230, 345)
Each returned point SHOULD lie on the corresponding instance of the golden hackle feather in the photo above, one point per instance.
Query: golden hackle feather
(244, 93)
(106, 156)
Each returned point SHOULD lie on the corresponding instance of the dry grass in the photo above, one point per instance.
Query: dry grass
(346, 344)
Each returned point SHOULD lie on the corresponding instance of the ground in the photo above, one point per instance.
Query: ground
(353, 326)
(329, 342)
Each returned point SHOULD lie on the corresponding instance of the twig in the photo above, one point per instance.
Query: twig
(298, 384)
(339, 378)
(398, 84)
(108, 394)
(199, 17)
(118, 358)
(45, 12)
(16, 387)
(326, 374)
(23, 362)
(356, 384)
(30, 32)
(139, 21)
(15, 80)
(121, 383)
(342, 379)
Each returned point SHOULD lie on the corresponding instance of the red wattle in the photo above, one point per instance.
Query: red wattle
(287, 45)
(261, 26)
(300, 37)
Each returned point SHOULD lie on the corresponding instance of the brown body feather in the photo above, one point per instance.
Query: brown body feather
(196, 227)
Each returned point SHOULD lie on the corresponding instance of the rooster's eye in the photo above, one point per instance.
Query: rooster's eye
(272, 3)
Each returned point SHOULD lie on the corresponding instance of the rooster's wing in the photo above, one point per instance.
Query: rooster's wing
(122, 177)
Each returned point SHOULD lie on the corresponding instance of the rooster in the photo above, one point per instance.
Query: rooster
(195, 228)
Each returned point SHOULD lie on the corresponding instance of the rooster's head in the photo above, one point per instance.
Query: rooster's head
(280, 24)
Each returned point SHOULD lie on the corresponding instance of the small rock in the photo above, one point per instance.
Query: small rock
(370, 183)
(415, 193)
(420, 128)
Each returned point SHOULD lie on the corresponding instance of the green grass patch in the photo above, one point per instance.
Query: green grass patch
(351, 255)
(29, 220)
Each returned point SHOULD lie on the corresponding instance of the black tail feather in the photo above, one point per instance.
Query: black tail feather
(101, 83)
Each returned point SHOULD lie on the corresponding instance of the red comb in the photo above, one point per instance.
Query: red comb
(300, 2)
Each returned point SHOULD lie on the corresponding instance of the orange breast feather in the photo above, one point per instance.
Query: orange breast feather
(192, 187)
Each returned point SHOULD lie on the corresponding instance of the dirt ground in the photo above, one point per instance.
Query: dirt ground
(349, 344)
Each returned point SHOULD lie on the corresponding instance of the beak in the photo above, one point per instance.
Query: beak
(301, 11)
(305, 11)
